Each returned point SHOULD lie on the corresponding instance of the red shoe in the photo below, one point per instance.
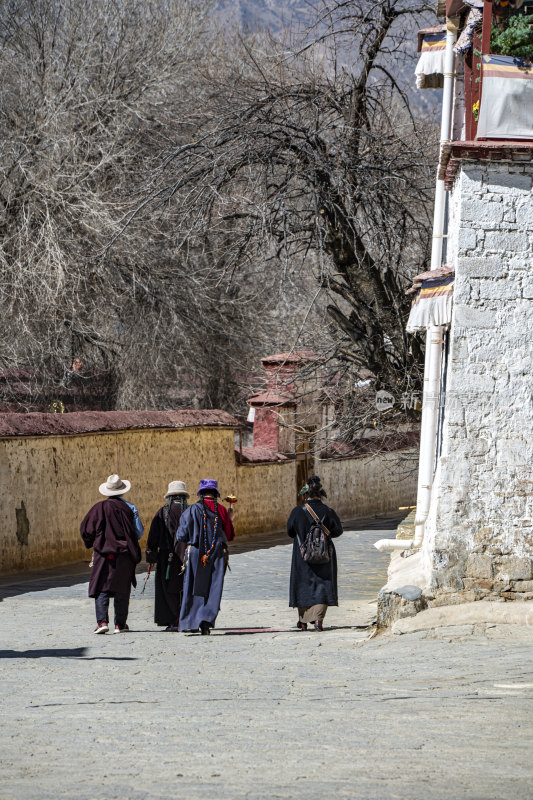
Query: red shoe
(102, 627)
(121, 629)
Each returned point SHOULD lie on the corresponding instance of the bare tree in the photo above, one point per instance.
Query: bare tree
(307, 156)
(91, 94)
(293, 174)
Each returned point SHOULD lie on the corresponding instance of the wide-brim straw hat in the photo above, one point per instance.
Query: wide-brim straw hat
(177, 487)
(113, 486)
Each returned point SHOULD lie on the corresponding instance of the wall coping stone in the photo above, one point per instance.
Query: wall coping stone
(36, 423)
(408, 592)
(260, 455)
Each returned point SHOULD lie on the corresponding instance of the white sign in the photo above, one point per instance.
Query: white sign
(384, 400)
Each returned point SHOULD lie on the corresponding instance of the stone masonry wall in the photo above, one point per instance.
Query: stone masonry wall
(479, 535)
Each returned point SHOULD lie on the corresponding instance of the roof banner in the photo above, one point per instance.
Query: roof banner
(432, 305)
(430, 68)
(506, 110)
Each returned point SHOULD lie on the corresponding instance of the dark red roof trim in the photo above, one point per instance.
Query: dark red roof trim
(295, 357)
(259, 455)
(271, 398)
(482, 150)
(370, 446)
(41, 424)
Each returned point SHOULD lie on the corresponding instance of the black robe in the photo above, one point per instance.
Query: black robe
(312, 583)
(161, 542)
(109, 528)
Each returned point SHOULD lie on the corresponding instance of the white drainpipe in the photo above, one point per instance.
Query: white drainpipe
(432, 365)
(393, 544)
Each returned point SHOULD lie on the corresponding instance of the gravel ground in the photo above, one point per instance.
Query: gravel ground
(270, 714)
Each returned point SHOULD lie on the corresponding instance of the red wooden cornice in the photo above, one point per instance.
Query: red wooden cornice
(483, 150)
(454, 7)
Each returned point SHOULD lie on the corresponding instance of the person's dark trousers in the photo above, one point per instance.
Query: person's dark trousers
(122, 602)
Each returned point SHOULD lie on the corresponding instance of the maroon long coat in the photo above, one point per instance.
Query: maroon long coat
(109, 528)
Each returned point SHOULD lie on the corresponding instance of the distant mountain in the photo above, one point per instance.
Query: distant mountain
(278, 15)
(273, 15)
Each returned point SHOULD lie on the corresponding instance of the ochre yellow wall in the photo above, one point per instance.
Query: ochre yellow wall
(57, 479)
(267, 493)
(50, 482)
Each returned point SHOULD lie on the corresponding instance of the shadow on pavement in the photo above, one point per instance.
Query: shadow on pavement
(53, 578)
(40, 581)
(254, 631)
(70, 652)
(262, 541)
(99, 702)
(73, 574)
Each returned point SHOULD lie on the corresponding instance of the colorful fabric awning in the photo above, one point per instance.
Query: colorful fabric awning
(430, 68)
(506, 110)
(432, 305)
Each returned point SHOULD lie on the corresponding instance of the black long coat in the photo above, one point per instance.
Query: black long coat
(168, 591)
(109, 528)
(312, 583)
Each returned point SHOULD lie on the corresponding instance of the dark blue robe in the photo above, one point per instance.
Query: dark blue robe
(204, 605)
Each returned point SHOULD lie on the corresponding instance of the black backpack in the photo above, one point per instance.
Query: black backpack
(316, 547)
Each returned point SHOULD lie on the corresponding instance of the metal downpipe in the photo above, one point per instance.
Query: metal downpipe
(434, 336)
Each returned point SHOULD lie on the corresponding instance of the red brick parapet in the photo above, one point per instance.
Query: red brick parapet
(266, 428)
(481, 150)
(76, 422)
(291, 360)
(260, 455)
(272, 398)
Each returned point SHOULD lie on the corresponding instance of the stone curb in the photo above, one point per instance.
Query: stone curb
(483, 611)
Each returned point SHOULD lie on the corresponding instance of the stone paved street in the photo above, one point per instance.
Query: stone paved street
(277, 714)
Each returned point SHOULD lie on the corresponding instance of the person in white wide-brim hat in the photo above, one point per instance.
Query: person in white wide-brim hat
(161, 549)
(112, 528)
(114, 487)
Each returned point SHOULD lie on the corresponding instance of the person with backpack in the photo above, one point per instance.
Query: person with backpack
(162, 550)
(313, 584)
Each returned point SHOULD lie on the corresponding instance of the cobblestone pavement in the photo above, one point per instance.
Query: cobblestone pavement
(274, 714)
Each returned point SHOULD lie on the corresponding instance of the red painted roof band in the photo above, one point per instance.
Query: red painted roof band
(40, 424)
(270, 398)
(251, 455)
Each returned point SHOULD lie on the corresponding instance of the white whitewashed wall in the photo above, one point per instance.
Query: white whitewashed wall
(479, 536)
